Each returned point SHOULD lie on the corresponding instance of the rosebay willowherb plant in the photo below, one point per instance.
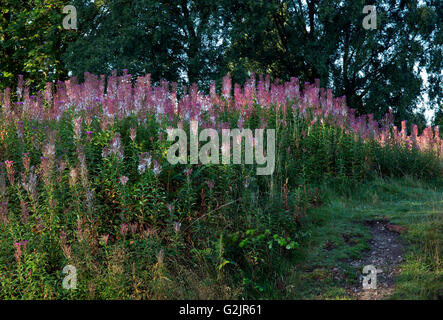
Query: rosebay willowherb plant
(85, 181)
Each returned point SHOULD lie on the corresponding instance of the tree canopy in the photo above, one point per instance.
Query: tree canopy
(32, 42)
(174, 40)
(376, 69)
(199, 40)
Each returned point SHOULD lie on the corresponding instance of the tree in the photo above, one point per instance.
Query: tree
(376, 69)
(32, 41)
(175, 40)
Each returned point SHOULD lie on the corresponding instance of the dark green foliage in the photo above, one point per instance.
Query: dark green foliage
(171, 40)
(199, 40)
(32, 42)
(326, 40)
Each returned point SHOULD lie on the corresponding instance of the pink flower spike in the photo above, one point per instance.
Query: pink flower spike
(210, 184)
(188, 172)
(18, 251)
(133, 134)
(104, 239)
(177, 226)
(124, 180)
(10, 171)
(123, 229)
(157, 168)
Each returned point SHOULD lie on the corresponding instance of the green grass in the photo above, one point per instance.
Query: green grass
(319, 273)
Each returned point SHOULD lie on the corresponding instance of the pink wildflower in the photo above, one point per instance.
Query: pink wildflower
(10, 170)
(115, 148)
(18, 249)
(133, 134)
(73, 177)
(77, 128)
(210, 184)
(104, 239)
(29, 183)
(177, 226)
(24, 212)
(133, 227)
(26, 161)
(123, 229)
(4, 212)
(124, 180)
(188, 172)
(144, 162)
(157, 169)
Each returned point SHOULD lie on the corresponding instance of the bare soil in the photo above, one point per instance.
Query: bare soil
(386, 254)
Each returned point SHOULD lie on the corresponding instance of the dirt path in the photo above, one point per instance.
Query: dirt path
(386, 252)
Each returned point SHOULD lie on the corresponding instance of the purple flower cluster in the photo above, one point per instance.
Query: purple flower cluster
(124, 97)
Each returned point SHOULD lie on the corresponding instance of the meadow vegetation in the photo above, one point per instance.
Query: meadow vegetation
(84, 181)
